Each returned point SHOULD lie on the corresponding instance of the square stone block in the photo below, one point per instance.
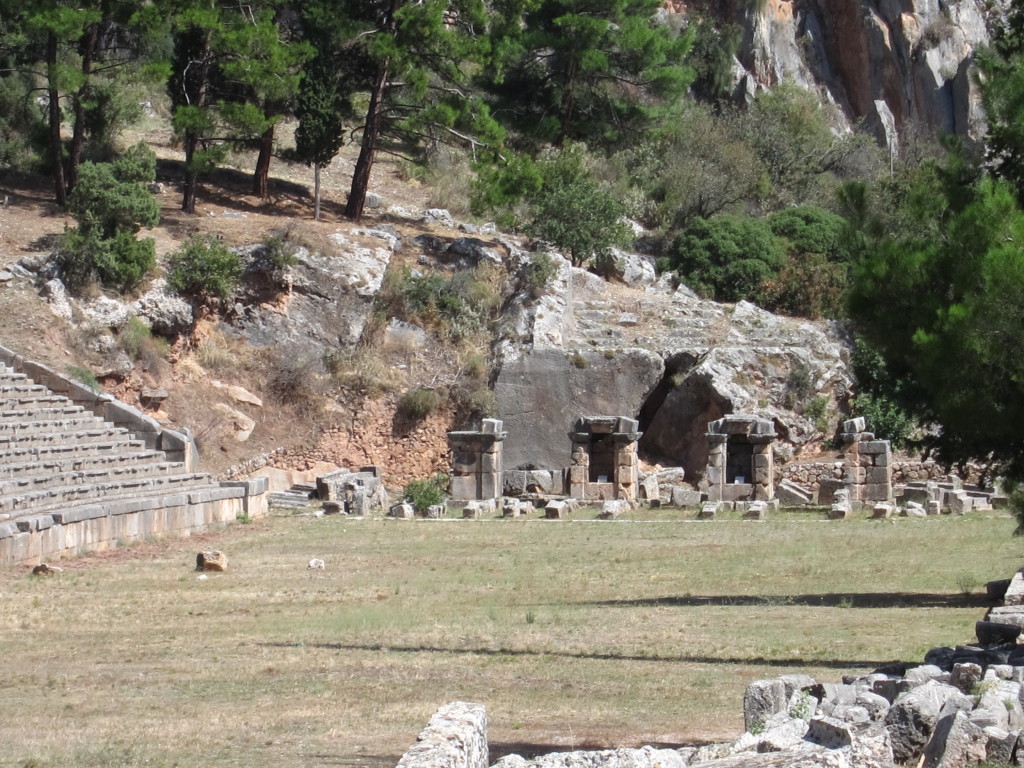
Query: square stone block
(715, 475)
(875, 447)
(855, 474)
(490, 486)
(878, 476)
(578, 475)
(490, 462)
(464, 487)
(762, 460)
(876, 492)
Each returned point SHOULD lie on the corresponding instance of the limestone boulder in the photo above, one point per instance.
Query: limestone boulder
(324, 300)
(644, 757)
(913, 716)
(212, 560)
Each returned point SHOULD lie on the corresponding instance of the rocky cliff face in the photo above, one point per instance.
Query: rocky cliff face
(663, 356)
(911, 59)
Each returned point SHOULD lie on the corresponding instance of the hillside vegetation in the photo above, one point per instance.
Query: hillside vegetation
(561, 123)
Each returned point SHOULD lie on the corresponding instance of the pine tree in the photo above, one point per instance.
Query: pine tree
(598, 71)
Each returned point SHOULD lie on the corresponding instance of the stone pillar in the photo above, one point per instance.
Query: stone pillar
(618, 438)
(764, 468)
(731, 441)
(867, 465)
(477, 465)
(715, 474)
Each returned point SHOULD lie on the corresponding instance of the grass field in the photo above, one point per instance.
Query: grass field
(573, 634)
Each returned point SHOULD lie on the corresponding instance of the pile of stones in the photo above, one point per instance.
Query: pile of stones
(962, 707)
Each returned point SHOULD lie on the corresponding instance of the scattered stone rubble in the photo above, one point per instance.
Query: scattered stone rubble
(963, 706)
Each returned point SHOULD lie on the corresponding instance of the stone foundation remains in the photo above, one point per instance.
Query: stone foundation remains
(477, 463)
(740, 464)
(604, 460)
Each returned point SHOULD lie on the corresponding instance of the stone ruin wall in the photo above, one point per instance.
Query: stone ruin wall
(811, 474)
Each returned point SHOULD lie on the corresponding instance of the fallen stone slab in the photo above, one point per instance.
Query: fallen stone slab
(455, 737)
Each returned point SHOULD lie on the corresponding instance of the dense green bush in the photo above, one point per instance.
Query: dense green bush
(574, 212)
(726, 257)
(111, 204)
(204, 268)
(538, 272)
(426, 493)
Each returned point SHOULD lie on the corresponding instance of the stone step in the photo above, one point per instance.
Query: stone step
(70, 424)
(32, 414)
(18, 484)
(13, 401)
(123, 445)
(37, 438)
(7, 376)
(296, 497)
(59, 463)
(22, 387)
(41, 499)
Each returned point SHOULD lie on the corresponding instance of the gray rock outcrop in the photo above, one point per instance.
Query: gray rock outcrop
(909, 61)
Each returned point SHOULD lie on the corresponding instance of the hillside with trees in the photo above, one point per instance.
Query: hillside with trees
(586, 126)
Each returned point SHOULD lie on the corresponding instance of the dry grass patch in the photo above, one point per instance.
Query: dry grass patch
(571, 633)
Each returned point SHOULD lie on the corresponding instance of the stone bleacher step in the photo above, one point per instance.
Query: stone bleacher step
(13, 402)
(23, 388)
(77, 463)
(91, 435)
(296, 497)
(21, 483)
(37, 453)
(65, 425)
(29, 414)
(39, 500)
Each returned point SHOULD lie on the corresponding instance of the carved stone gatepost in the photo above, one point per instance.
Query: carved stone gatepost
(604, 461)
(477, 462)
(740, 461)
(867, 465)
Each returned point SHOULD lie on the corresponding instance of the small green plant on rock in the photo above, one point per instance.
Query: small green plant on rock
(205, 269)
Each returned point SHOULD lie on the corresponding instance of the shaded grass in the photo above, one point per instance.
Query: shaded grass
(571, 633)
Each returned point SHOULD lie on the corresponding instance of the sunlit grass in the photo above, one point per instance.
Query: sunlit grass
(579, 633)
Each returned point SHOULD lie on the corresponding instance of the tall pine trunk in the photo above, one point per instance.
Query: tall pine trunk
(88, 46)
(316, 191)
(192, 138)
(368, 148)
(56, 145)
(261, 176)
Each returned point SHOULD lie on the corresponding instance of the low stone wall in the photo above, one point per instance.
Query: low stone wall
(455, 737)
(811, 474)
(90, 528)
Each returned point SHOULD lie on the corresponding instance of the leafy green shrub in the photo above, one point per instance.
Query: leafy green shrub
(426, 493)
(880, 395)
(538, 272)
(204, 268)
(418, 403)
(726, 257)
(138, 341)
(574, 212)
(111, 204)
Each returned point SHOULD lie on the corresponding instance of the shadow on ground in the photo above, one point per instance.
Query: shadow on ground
(759, 661)
(831, 600)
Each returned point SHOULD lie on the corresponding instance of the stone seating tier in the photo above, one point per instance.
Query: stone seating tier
(71, 481)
